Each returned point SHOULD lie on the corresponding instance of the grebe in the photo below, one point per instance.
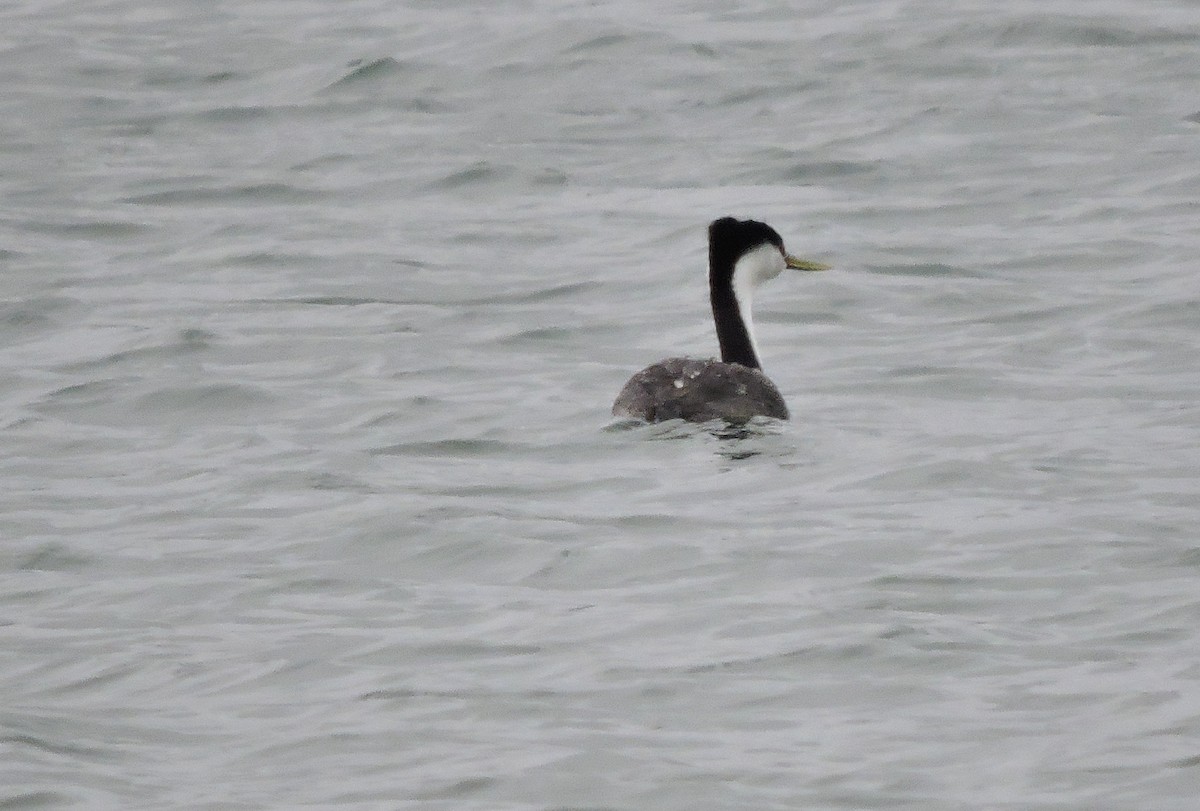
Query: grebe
(741, 255)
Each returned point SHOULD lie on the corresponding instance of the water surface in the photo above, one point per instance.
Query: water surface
(311, 315)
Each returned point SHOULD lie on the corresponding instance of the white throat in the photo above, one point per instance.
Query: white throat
(754, 267)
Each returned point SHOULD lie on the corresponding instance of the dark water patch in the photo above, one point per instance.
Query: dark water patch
(773, 166)
(252, 193)
(45, 744)
(550, 177)
(647, 521)
(83, 393)
(827, 170)
(1183, 312)
(408, 263)
(744, 96)
(553, 293)
(470, 650)
(332, 482)
(919, 582)
(458, 789)
(845, 651)
(137, 126)
(235, 115)
(21, 318)
(1085, 32)
(538, 335)
(1192, 762)
(32, 800)
(478, 173)
(377, 70)
(13, 146)
(169, 181)
(1189, 558)
(941, 475)
(814, 318)
(703, 49)
(263, 259)
(409, 694)
(95, 229)
(948, 382)
(389, 418)
(544, 294)
(420, 104)
(344, 301)
(217, 401)
(180, 78)
(276, 116)
(1023, 317)
(503, 491)
(598, 43)
(447, 448)
(53, 557)
(929, 270)
(94, 682)
(1194, 118)
(194, 338)
(325, 162)
(188, 342)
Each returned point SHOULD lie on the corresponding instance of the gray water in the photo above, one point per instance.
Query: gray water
(311, 315)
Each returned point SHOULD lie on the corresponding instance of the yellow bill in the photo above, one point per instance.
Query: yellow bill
(805, 264)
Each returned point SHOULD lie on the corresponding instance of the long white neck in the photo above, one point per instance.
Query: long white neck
(752, 269)
(744, 282)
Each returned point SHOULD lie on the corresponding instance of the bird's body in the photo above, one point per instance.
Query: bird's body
(698, 391)
(741, 255)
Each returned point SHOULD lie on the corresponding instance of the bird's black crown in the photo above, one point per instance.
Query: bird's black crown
(729, 239)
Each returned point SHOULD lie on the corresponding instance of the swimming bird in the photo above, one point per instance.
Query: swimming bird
(741, 255)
